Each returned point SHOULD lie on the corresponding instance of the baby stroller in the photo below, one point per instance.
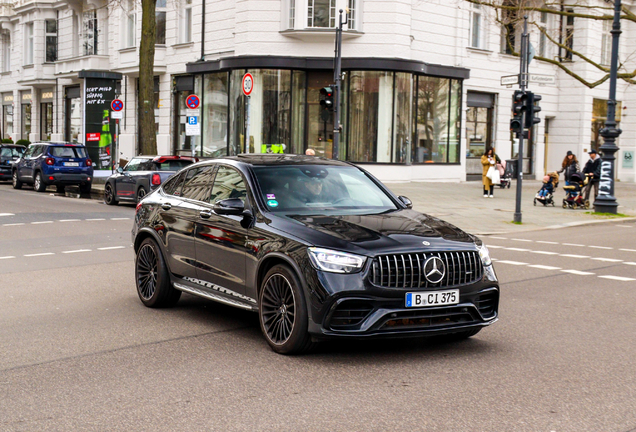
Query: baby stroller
(548, 197)
(505, 175)
(574, 192)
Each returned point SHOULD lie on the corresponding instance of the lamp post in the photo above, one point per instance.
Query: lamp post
(337, 77)
(606, 201)
(523, 82)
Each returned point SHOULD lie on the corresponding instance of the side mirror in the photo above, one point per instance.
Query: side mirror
(407, 202)
(120, 170)
(230, 206)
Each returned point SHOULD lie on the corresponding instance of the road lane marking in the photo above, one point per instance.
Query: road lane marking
(494, 247)
(544, 267)
(547, 242)
(13, 224)
(518, 249)
(112, 247)
(77, 251)
(601, 247)
(608, 259)
(517, 263)
(6, 257)
(69, 220)
(7, 214)
(119, 218)
(40, 254)
(577, 272)
(628, 250)
(98, 219)
(630, 263)
(574, 256)
(42, 222)
(499, 238)
(544, 252)
(573, 244)
(522, 240)
(618, 278)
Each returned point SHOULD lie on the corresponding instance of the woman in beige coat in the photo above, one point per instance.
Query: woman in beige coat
(489, 159)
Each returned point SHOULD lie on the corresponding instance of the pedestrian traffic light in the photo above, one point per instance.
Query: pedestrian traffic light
(532, 109)
(518, 100)
(326, 97)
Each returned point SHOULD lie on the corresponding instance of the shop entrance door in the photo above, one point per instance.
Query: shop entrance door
(319, 118)
(479, 128)
(73, 115)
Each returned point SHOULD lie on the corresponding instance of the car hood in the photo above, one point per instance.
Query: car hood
(397, 231)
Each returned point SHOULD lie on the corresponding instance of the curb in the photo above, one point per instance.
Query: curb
(565, 225)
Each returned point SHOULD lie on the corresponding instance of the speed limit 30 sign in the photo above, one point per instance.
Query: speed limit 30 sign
(248, 84)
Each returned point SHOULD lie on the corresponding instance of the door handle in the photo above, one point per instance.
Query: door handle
(205, 214)
(166, 206)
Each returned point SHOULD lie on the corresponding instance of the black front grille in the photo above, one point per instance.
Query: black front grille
(487, 303)
(428, 318)
(350, 313)
(407, 270)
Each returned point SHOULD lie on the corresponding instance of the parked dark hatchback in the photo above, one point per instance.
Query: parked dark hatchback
(8, 154)
(319, 248)
(49, 163)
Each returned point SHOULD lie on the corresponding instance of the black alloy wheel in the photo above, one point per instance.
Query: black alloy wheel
(109, 195)
(17, 184)
(141, 193)
(38, 184)
(151, 277)
(282, 312)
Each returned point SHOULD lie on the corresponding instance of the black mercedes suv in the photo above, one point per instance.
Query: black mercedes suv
(318, 248)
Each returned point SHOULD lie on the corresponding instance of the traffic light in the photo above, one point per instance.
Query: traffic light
(326, 97)
(518, 101)
(532, 109)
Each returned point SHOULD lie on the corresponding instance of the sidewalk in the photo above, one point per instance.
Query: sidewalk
(463, 205)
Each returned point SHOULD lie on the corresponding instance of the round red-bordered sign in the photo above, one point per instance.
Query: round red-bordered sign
(248, 84)
(117, 105)
(192, 101)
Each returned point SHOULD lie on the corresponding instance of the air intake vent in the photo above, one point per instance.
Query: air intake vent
(487, 303)
(350, 313)
(407, 270)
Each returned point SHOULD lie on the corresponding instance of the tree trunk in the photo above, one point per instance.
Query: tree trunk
(146, 103)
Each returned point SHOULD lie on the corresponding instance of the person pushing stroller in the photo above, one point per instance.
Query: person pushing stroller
(545, 194)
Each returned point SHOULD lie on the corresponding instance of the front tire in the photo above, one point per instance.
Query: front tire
(282, 311)
(109, 195)
(17, 184)
(38, 184)
(152, 278)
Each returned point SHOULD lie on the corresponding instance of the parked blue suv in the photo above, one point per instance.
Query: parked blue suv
(59, 164)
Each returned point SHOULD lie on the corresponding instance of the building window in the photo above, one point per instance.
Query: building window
(568, 37)
(90, 33)
(46, 121)
(186, 23)
(606, 43)
(130, 20)
(28, 52)
(543, 38)
(509, 29)
(321, 13)
(6, 52)
(160, 16)
(599, 117)
(215, 110)
(51, 40)
(351, 14)
(292, 14)
(476, 27)
(7, 120)
(26, 120)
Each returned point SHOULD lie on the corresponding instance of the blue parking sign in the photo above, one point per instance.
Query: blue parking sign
(192, 120)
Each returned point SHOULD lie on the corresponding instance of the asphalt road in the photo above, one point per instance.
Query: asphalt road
(78, 350)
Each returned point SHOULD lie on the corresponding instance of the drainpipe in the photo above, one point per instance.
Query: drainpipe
(203, 31)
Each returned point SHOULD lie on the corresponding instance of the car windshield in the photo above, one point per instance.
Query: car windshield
(172, 165)
(10, 152)
(320, 189)
(67, 152)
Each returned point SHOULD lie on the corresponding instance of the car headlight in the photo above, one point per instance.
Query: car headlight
(484, 255)
(334, 261)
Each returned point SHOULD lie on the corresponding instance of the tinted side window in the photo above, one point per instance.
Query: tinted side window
(39, 150)
(197, 183)
(145, 165)
(228, 183)
(178, 184)
(133, 165)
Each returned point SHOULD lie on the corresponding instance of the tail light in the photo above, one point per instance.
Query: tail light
(89, 162)
(156, 179)
(50, 161)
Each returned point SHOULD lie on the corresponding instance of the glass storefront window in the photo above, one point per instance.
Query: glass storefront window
(299, 79)
(214, 109)
(7, 116)
(433, 96)
(370, 108)
(455, 122)
(46, 121)
(402, 120)
(26, 121)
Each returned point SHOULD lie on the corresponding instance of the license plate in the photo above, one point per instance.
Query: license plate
(432, 298)
(71, 163)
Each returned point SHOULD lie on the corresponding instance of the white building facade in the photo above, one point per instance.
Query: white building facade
(421, 99)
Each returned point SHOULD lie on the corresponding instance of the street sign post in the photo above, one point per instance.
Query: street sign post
(509, 80)
(117, 113)
(192, 126)
(192, 101)
(248, 84)
(248, 87)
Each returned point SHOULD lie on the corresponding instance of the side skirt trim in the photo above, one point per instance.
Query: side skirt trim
(214, 297)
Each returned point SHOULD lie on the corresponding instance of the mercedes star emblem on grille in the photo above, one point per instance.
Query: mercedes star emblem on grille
(434, 270)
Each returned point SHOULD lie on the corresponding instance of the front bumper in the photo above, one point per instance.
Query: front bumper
(349, 306)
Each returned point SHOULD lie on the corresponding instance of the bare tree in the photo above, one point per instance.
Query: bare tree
(509, 15)
(146, 103)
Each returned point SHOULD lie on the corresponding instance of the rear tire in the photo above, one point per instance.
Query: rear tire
(141, 193)
(85, 188)
(282, 311)
(17, 184)
(60, 189)
(38, 184)
(152, 278)
(109, 195)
